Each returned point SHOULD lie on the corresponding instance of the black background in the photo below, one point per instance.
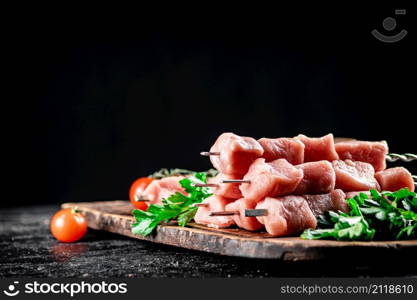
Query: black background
(105, 97)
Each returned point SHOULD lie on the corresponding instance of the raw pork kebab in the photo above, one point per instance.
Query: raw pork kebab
(282, 184)
(290, 181)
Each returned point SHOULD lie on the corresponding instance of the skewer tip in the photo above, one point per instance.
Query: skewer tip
(235, 181)
(205, 153)
(141, 199)
(205, 185)
(223, 213)
(256, 212)
(201, 205)
(406, 157)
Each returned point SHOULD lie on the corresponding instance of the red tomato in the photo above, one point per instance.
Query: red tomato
(137, 188)
(68, 225)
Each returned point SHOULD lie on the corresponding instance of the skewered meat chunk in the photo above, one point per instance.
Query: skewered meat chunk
(354, 175)
(286, 215)
(292, 214)
(371, 152)
(275, 178)
(318, 148)
(335, 200)
(229, 190)
(248, 223)
(319, 178)
(162, 188)
(292, 149)
(215, 203)
(236, 153)
(394, 179)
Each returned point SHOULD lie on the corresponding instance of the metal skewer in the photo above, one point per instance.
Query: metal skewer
(223, 213)
(407, 157)
(209, 153)
(235, 181)
(205, 185)
(223, 181)
(201, 205)
(391, 157)
(256, 212)
(248, 213)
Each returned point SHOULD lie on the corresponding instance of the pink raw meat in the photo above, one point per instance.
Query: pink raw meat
(236, 153)
(271, 179)
(319, 178)
(354, 176)
(248, 223)
(319, 148)
(371, 152)
(292, 149)
(335, 200)
(215, 204)
(227, 190)
(286, 216)
(394, 179)
(162, 188)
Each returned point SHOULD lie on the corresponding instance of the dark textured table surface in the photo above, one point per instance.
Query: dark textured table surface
(27, 249)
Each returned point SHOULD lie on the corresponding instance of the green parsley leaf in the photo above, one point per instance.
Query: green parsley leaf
(187, 216)
(386, 215)
(177, 206)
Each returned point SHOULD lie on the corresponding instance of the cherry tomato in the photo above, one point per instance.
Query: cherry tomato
(137, 188)
(68, 225)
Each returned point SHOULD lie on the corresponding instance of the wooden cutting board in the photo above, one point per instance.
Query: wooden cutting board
(115, 216)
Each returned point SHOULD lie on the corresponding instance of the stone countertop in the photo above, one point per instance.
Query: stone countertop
(27, 249)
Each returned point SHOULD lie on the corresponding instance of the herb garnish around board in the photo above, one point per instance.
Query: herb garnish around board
(164, 172)
(385, 215)
(177, 206)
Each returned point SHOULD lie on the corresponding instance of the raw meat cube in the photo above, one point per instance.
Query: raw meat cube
(236, 153)
(292, 149)
(335, 200)
(354, 176)
(162, 188)
(319, 178)
(215, 203)
(248, 223)
(319, 148)
(227, 190)
(275, 178)
(394, 179)
(371, 152)
(287, 215)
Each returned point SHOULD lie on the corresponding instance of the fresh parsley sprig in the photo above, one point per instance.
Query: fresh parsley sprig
(386, 215)
(177, 206)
